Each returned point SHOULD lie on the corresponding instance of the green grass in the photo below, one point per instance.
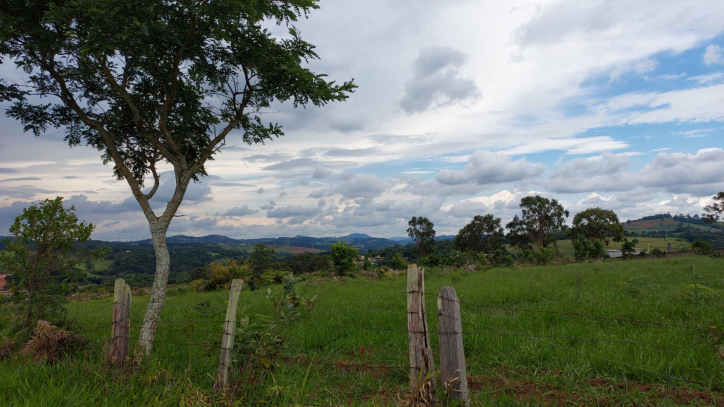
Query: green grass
(364, 321)
(667, 224)
(565, 247)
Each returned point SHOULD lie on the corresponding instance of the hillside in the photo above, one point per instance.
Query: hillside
(663, 224)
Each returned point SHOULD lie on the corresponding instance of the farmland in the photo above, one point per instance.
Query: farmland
(352, 349)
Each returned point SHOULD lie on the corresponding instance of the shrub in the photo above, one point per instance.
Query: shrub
(501, 258)
(701, 246)
(432, 261)
(398, 262)
(343, 257)
(545, 256)
(658, 253)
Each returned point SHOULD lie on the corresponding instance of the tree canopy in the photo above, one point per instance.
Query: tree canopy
(483, 234)
(422, 231)
(157, 83)
(541, 219)
(597, 223)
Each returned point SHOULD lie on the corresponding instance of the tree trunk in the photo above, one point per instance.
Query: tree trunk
(158, 293)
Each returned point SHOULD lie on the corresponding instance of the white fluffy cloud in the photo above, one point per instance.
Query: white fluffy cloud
(488, 168)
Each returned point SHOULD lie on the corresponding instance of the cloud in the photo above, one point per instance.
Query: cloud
(321, 173)
(437, 81)
(269, 205)
(713, 55)
(260, 191)
(21, 179)
(241, 211)
(696, 174)
(607, 172)
(488, 168)
(364, 186)
(295, 213)
(708, 79)
(8, 171)
(647, 65)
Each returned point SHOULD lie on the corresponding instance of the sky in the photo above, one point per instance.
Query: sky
(463, 108)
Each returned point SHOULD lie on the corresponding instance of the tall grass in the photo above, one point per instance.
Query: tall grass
(364, 322)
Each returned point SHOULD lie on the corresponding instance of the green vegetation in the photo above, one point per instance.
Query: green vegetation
(343, 257)
(42, 256)
(323, 347)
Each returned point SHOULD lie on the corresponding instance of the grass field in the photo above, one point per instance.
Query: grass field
(352, 350)
(659, 224)
(565, 247)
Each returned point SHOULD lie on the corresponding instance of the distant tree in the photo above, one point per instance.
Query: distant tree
(343, 257)
(628, 249)
(422, 231)
(542, 218)
(259, 261)
(397, 262)
(713, 213)
(42, 255)
(518, 234)
(154, 83)
(592, 230)
(483, 234)
(701, 246)
(597, 223)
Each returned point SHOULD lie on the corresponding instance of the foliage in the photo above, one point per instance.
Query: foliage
(305, 263)
(701, 247)
(398, 262)
(518, 234)
(220, 275)
(545, 255)
(628, 249)
(586, 249)
(158, 83)
(501, 258)
(260, 260)
(258, 345)
(541, 220)
(483, 234)
(658, 253)
(432, 261)
(422, 231)
(42, 256)
(343, 258)
(597, 224)
(713, 213)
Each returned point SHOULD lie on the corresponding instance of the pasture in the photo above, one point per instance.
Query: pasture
(532, 335)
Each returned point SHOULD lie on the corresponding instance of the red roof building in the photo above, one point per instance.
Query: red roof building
(2, 281)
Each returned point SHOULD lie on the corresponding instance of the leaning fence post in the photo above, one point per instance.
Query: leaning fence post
(421, 362)
(452, 355)
(227, 341)
(121, 329)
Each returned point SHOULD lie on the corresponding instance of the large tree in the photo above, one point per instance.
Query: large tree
(483, 234)
(422, 231)
(597, 224)
(154, 82)
(541, 219)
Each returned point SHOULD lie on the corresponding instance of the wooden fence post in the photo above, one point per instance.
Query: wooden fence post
(121, 329)
(227, 341)
(452, 354)
(421, 362)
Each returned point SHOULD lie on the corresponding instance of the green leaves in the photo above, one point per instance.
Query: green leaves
(42, 256)
(422, 231)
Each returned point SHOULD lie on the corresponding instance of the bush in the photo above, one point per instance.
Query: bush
(545, 256)
(501, 258)
(275, 276)
(343, 258)
(432, 261)
(584, 249)
(658, 253)
(398, 262)
(701, 247)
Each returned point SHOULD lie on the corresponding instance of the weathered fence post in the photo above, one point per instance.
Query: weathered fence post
(121, 329)
(227, 341)
(452, 355)
(421, 362)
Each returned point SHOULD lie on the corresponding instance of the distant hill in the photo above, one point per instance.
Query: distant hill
(667, 223)
(357, 236)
